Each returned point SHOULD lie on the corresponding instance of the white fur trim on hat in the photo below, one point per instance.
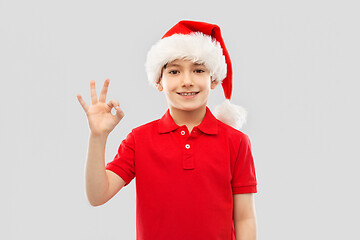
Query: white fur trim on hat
(231, 114)
(196, 47)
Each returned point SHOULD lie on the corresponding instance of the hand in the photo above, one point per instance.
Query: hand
(101, 120)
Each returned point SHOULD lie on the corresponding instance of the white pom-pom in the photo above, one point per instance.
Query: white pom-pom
(232, 115)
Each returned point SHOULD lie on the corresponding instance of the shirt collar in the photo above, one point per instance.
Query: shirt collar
(209, 124)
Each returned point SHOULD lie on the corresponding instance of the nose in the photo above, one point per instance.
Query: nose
(187, 80)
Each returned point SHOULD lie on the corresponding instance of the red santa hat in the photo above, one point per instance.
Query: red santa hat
(202, 43)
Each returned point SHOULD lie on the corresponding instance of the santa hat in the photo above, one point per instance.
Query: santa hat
(202, 43)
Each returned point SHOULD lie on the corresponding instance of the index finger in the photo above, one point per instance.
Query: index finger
(102, 97)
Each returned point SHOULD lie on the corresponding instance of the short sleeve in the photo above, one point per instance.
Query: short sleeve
(123, 163)
(244, 177)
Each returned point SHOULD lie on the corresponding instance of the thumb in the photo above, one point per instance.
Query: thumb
(119, 113)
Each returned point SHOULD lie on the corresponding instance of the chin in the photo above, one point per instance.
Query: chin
(190, 108)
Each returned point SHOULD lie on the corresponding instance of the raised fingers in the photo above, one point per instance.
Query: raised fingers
(93, 92)
(102, 97)
(82, 103)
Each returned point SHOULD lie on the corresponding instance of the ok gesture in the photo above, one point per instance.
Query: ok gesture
(101, 120)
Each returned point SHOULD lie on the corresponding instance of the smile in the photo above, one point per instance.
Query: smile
(188, 93)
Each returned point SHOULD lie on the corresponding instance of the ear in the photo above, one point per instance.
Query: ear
(213, 84)
(159, 85)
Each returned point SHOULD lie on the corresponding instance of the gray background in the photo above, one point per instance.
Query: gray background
(296, 71)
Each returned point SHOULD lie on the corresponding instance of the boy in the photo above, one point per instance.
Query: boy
(195, 175)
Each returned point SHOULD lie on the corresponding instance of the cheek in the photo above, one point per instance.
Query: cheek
(164, 83)
(206, 84)
(169, 85)
(166, 87)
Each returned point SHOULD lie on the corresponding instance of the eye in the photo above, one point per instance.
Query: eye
(173, 71)
(199, 71)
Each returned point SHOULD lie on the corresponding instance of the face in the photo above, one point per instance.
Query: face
(186, 85)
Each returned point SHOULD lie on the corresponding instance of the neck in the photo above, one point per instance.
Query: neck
(188, 118)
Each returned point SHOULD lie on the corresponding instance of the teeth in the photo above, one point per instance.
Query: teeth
(187, 94)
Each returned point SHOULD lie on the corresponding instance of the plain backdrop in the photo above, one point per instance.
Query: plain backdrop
(296, 72)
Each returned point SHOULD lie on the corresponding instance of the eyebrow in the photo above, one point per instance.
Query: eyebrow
(177, 65)
(171, 65)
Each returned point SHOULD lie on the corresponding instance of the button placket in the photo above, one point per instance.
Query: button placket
(188, 158)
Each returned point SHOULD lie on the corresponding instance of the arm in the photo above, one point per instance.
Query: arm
(101, 185)
(245, 217)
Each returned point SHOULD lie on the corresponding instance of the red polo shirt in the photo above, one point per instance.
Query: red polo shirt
(185, 182)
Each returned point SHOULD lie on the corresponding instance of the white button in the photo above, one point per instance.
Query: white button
(182, 132)
(187, 146)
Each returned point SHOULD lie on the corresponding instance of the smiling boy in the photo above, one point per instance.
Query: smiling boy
(195, 174)
(186, 101)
